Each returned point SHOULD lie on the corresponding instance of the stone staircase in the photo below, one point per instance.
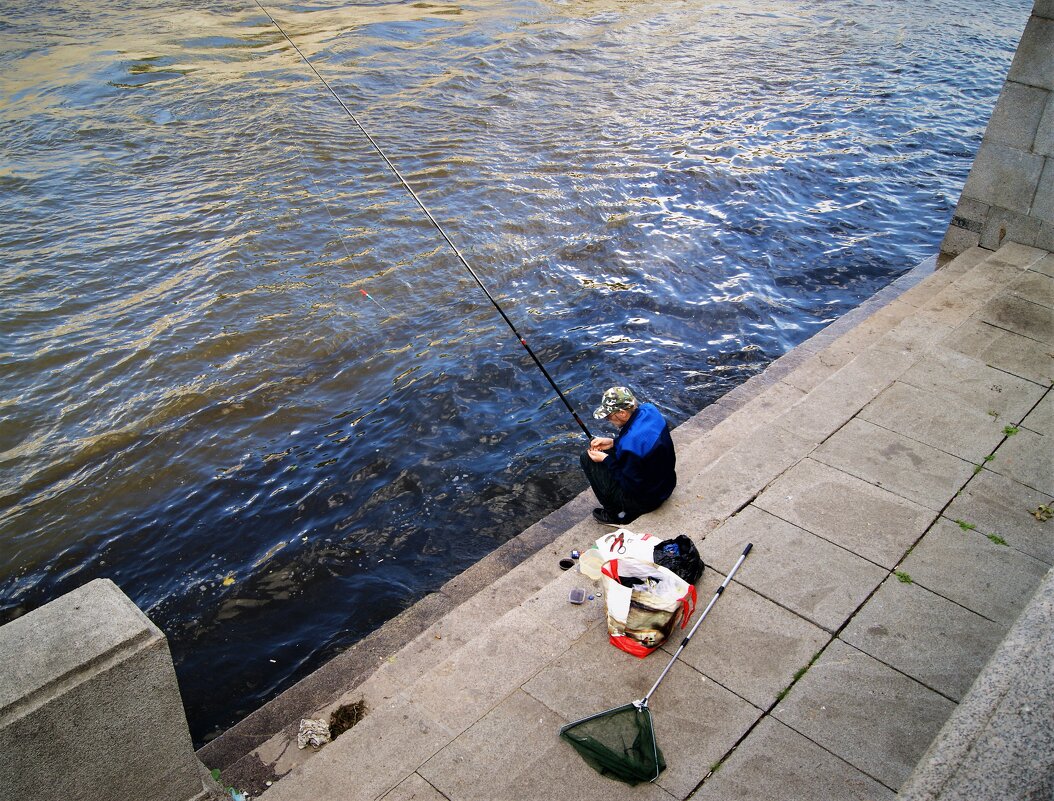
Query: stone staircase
(467, 690)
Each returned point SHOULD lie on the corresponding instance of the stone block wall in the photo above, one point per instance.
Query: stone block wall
(1009, 193)
(89, 705)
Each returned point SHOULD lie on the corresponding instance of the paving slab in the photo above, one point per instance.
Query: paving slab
(929, 638)
(775, 763)
(551, 604)
(748, 644)
(514, 753)
(814, 578)
(1035, 287)
(966, 295)
(1020, 316)
(728, 484)
(1018, 255)
(872, 716)
(827, 407)
(936, 420)
(699, 453)
(973, 383)
(998, 743)
(454, 630)
(507, 653)
(696, 720)
(1027, 458)
(1041, 418)
(964, 566)
(367, 761)
(1004, 350)
(847, 511)
(999, 505)
(1044, 265)
(414, 788)
(917, 334)
(898, 463)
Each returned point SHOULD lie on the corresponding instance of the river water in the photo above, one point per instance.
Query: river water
(200, 403)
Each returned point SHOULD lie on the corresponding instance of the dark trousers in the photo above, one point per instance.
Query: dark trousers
(608, 492)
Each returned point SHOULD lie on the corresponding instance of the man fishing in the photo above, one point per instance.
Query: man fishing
(634, 472)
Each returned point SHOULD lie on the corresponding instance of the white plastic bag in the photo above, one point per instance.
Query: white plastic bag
(643, 614)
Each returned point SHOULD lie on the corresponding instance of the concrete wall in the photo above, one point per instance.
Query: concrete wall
(1009, 193)
(89, 705)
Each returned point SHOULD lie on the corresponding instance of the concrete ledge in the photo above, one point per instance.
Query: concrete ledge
(999, 742)
(89, 705)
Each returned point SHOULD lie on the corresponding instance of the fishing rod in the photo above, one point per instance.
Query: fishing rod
(464, 262)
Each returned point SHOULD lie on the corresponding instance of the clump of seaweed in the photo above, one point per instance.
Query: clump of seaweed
(346, 716)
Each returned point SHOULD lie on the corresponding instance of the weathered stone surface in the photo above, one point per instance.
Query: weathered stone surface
(89, 704)
(997, 744)
(860, 517)
(937, 420)
(414, 788)
(1041, 418)
(511, 752)
(369, 760)
(972, 382)
(1016, 117)
(895, 462)
(1033, 62)
(808, 575)
(460, 690)
(964, 566)
(1044, 266)
(958, 238)
(742, 622)
(1043, 204)
(1034, 287)
(856, 707)
(1031, 320)
(1001, 506)
(1005, 177)
(776, 764)
(727, 484)
(1014, 254)
(1028, 459)
(936, 642)
(1005, 225)
(697, 721)
(1004, 350)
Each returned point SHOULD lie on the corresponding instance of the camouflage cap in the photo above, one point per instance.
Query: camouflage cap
(615, 399)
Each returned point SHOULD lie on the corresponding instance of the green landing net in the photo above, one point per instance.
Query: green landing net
(620, 743)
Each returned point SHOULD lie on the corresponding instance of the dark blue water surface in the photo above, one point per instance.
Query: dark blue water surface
(199, 402)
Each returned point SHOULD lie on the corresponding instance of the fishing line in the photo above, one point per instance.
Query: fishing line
(431, 219)
(332, 219)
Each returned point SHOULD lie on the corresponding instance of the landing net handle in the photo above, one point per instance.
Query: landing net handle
(643, 703)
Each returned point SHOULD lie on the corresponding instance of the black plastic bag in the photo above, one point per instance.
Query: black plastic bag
(681, 556)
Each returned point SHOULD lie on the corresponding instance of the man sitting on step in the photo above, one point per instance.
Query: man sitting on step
(634, 472)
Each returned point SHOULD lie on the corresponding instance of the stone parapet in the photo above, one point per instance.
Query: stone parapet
(1009, 194)
(90, 707)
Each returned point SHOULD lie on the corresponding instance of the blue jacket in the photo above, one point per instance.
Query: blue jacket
(644, 462)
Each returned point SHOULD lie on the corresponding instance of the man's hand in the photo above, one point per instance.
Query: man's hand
(601, 444)
(595, 455)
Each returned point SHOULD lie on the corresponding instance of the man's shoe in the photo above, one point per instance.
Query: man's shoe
(603, 517)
